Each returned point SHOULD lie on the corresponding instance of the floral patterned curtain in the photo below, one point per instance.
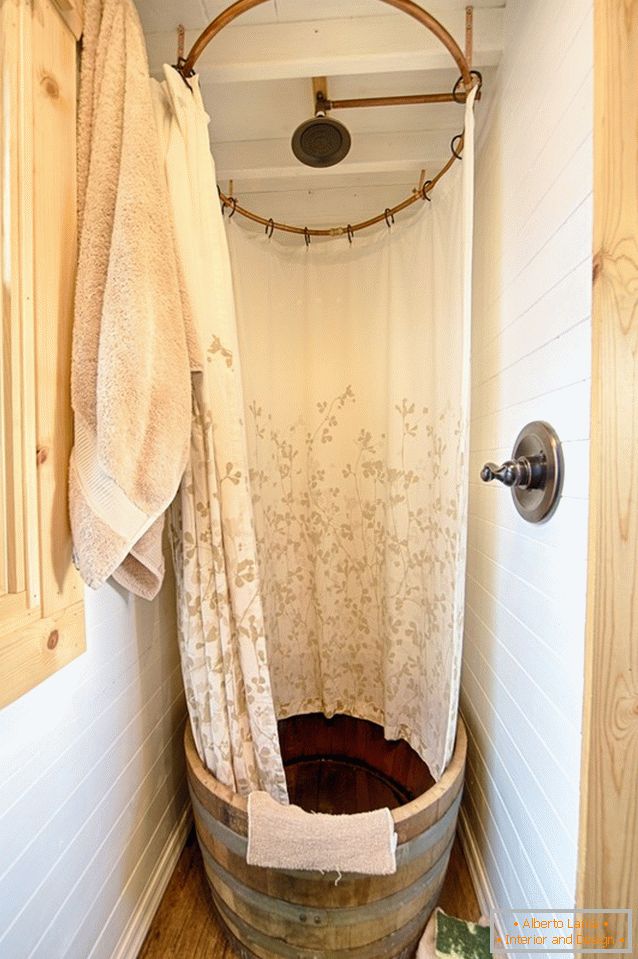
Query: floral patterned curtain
(356, 375)
(220, 619)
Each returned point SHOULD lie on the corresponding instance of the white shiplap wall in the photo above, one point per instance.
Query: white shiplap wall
(92, 791)
(526, 587)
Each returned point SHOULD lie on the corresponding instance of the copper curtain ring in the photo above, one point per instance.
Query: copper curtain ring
(458, 138)
(425, 189)
(478, 76)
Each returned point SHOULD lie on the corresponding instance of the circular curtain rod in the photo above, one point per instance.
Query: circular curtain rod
(185, 66)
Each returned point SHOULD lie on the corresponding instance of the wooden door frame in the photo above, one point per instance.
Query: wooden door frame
(608, 845)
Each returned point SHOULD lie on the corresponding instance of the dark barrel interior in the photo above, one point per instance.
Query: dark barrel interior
(345, 765)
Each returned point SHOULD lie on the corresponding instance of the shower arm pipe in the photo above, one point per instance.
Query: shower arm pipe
(398, 101)
(187, 66)
(386, 217)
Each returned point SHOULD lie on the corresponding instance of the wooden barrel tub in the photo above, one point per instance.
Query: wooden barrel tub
(341, 765)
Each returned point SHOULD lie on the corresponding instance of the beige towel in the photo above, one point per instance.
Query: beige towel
(286, 837)
(133, 341)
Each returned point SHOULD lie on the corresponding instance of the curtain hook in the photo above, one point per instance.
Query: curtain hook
(270, 228)
(350, 233)
(306, 233)
(478, 76)
(233, 201)
(222, 200)
(425, 189)
(455, 90)
(479, 79)
(180, 67)
(453, 142)
(389, 217)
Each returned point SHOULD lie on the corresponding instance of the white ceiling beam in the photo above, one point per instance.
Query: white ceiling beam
(334, 180)
(371, 153)
(383, 44)
(320, 9)
(299, 10)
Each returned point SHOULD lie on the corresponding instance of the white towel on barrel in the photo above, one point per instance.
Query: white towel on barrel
(286, 837)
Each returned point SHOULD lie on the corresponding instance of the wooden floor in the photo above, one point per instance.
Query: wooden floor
(185, 926)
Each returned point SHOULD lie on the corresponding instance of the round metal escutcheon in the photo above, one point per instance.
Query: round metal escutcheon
(539, 439)
(321, 142)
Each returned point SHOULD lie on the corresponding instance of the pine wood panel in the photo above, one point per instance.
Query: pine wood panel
(38, 649)
(186, 924)
(41, 609)
(608, 873)
(17, 437)
(72, 11)
(55, 254)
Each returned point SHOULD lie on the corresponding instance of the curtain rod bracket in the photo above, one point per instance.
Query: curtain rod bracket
(469, 34)
(181, 35)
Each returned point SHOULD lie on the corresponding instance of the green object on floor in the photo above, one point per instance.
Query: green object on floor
(457, 939)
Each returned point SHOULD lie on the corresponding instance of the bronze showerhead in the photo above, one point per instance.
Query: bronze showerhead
(321, 142)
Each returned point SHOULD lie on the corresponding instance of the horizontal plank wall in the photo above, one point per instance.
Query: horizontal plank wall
(92, 792)
(522, 692)
(609, 826)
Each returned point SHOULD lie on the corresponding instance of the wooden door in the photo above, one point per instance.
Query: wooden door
(41, 609)
(608, 873)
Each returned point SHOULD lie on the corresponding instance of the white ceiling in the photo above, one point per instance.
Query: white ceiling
(160, 15)
(256, 79)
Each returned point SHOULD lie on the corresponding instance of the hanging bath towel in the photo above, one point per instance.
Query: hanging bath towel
(131, 369)
(220, 619)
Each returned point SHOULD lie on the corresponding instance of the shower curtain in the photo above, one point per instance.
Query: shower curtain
(220, 619)
(356, 366)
